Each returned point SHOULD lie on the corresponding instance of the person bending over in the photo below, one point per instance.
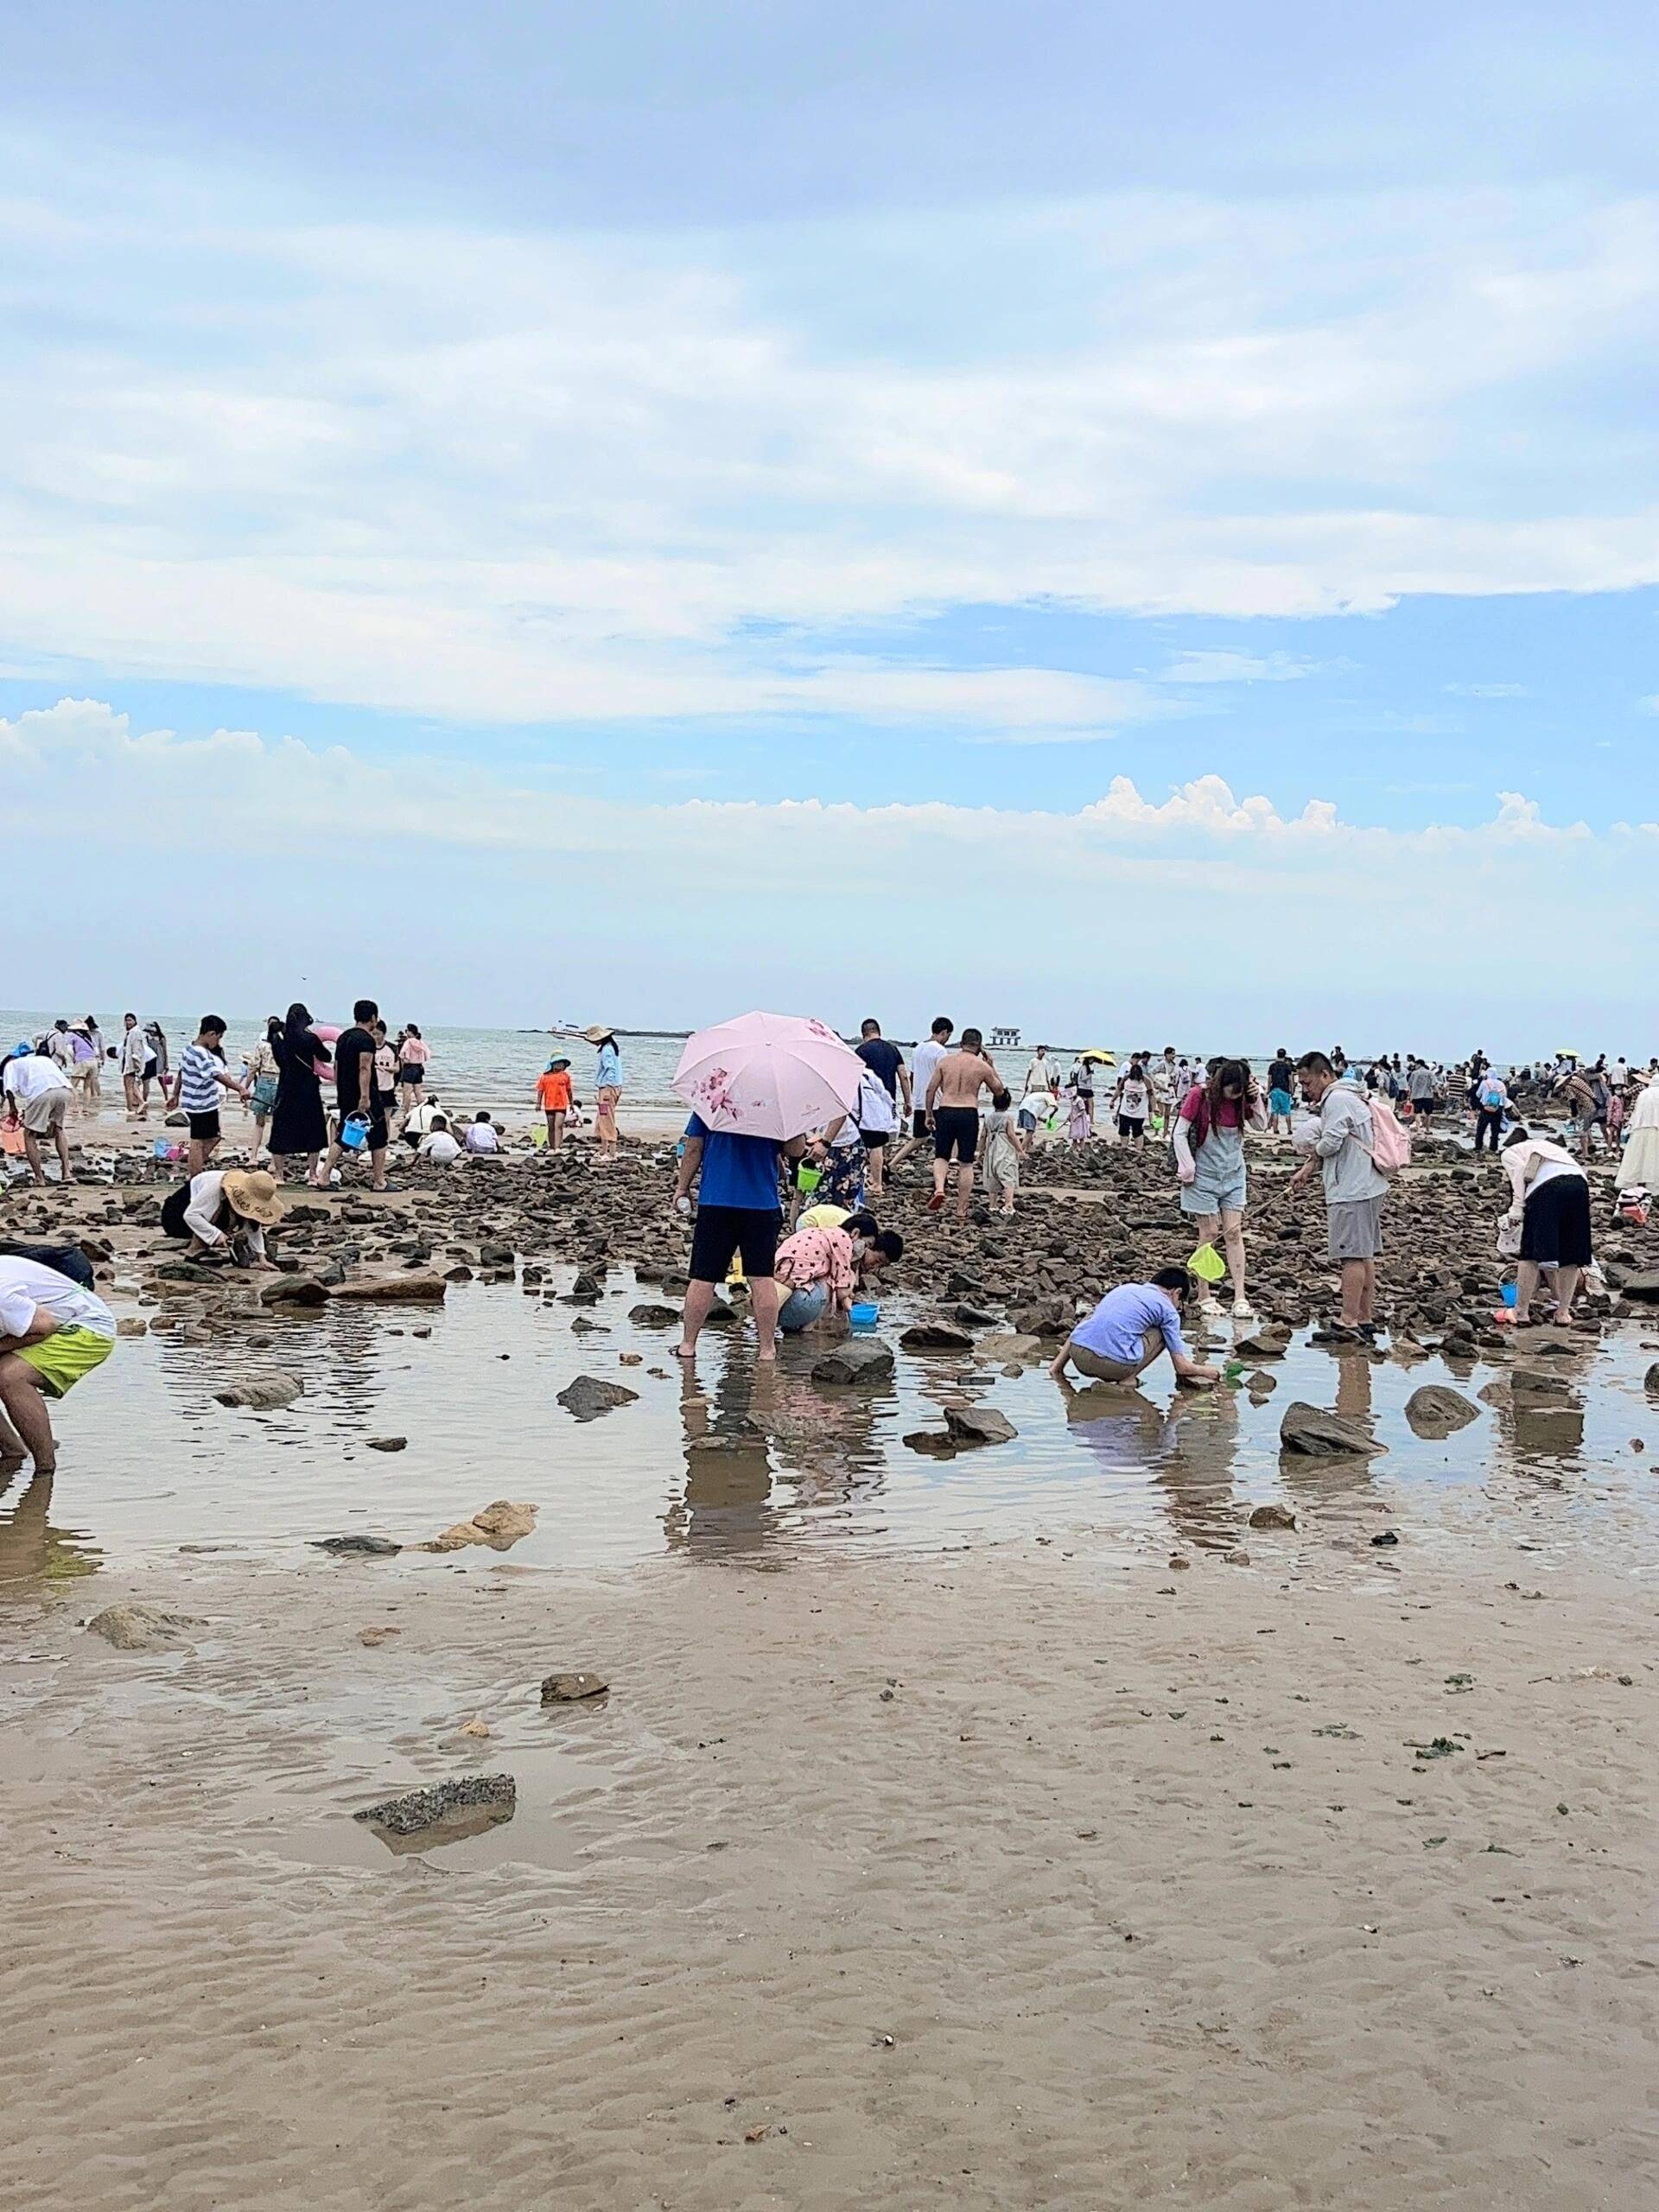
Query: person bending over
(1131, 1327)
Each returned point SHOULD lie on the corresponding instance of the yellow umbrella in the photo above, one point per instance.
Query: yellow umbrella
(1106, 1059)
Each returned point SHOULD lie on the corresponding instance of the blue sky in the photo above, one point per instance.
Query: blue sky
(697, 458)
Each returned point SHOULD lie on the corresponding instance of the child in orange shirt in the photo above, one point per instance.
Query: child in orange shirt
(553, 1096)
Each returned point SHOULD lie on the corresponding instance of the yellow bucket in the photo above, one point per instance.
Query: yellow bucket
(1207, 1264)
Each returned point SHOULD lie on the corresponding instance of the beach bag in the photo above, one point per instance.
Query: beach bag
(1390, 1144)
(1508, 1239)
(1492, 1096)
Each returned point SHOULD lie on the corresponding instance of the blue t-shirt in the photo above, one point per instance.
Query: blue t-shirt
(607, 1074)
(1116, 1328)
(737, 1171)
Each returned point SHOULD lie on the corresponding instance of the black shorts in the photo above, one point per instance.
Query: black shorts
(203, 1126)
(956, 1134)
(412, 1075)
(1555, 1225)
(874, 1139)
(722, 1230)
(1423, 1109)
(1131, 1125)
(919, 1123)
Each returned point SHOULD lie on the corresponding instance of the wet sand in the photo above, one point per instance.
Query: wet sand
(1001, 1878)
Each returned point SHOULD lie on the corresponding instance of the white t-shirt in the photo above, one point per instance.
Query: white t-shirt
(1132, 1101)
(480, 1137)
(440, 1148)
(874, 1112)
(30, 1078)
(923, 1061)
(1042, 1075)
(25, 1284)
(419, 1124)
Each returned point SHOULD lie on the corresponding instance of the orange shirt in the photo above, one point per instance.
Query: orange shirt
(553, 1091)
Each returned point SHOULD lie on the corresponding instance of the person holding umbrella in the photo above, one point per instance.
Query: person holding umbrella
(754, 1085)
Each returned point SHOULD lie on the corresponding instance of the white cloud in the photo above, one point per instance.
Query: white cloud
(1216, 667)
(1486, 691)
(680, 907)
(561, 477)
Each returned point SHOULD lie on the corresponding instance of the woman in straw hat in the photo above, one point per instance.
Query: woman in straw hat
(607, 1088)
(225, 1214)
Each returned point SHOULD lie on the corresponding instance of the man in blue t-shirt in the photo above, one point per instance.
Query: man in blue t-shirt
(740, 1210)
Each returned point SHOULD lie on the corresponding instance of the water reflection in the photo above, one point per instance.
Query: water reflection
(725, 1506)
(1315, 1482)
(35, 1555)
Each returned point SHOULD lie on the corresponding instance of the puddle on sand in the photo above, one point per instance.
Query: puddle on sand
(733, 1463)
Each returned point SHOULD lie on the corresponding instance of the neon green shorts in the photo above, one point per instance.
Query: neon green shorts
(62, 1360)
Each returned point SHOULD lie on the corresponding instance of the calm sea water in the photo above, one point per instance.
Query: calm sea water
(495, 1068)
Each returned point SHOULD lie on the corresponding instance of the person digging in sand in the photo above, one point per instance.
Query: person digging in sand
(51, 1334)
(1131, 1327)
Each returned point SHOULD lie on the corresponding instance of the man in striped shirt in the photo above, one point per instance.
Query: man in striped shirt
(202, 1073)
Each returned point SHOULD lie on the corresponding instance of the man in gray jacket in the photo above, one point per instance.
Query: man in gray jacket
(1354, 1186)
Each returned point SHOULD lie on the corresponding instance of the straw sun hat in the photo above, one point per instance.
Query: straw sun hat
(253, 1195)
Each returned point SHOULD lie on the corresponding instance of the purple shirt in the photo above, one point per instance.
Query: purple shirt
(1117, 1327)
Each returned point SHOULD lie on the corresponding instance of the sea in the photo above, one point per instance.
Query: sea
(473, 1068)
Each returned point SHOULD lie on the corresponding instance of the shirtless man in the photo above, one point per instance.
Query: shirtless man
(953, 1103)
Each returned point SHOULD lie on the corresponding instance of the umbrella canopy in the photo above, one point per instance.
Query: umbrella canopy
(1106, 1059)
(767, 1075)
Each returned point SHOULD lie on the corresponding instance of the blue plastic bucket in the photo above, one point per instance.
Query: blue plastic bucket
(864, 1317)
(355, 1132)
(1512, 1293)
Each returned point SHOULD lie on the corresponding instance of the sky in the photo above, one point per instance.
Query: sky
(1123, 521)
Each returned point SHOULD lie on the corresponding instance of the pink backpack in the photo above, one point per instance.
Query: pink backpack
(1390, 1142)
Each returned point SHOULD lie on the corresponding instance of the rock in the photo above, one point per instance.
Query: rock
(1635, 1282)
(567, 1689)
(1650, 1381)
(133, 1324)
(499, 1526)
(936, 1336)
(295, 1290)
(1239, 1557)
(649, 1316)
(586, 1398)
(375, 1637)
(1272, 1341)
(142, 1628)
(1316, 1435)
(387, 1443)
(1436, 1410)
(1051, 1319)
(1008, 1344)
(351, 1546)
(974, 1425)
(1272, 1517)
(1539, 1382)
(932, 1443)
(858, 1359)
(384, 1290)
(1261, 1384)
(261, 1393)
(448, 1810)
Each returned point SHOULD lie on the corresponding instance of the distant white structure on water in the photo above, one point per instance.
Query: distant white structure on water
(1005, 1035)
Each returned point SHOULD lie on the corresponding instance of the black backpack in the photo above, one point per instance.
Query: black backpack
(66, 1260)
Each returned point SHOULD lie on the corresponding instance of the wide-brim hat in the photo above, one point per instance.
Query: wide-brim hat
(253, 1195)
(559, 1060)
(598, 1034)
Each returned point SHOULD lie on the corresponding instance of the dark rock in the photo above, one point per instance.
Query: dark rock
(654, 1317)
(936, 1336)
(1271, 1342)
(974, 1425)
(569, 1689)
(1272, 1517)
(487, 1798)
(350, 1547)
(1316, 1435)
(387, 1443)
(382, 1290)
(932, 1443)
(587, 1397)
(1436, 1411)
(261, 1393)
(295, 1290)
(856, 1359)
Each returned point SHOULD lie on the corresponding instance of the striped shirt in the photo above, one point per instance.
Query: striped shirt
(198, 1087)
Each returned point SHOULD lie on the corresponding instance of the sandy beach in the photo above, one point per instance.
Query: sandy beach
(1002, 1879)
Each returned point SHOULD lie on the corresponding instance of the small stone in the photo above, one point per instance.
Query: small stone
(977, 1424)
(1272, 1517)
(587, 1397)
(373, 1638)
(142, 1628)
(856, 1359)
(261, 1393)
(1437, 1411)
(1312, 1433)
(569, 1689)
(367, 1547)
(936, 1336)
(133, 1324)
(387, 1443)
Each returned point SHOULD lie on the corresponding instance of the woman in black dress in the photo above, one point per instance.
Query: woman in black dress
(296, 1120)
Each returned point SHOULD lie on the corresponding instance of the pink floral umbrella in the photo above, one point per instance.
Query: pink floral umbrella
(768, 1075)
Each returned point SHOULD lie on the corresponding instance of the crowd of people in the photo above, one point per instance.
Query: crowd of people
(794, 1217)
